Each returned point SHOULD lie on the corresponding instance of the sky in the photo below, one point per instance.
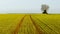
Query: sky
(28, 6)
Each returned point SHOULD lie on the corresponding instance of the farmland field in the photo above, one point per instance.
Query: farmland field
(29, 23)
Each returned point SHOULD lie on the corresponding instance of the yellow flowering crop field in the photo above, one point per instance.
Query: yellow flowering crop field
(29, 23)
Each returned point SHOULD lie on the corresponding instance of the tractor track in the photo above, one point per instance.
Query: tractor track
(37, 29)
(18, 26)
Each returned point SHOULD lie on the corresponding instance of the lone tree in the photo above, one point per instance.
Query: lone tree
(44, 8)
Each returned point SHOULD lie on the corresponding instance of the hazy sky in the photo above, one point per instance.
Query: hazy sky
(28, 6)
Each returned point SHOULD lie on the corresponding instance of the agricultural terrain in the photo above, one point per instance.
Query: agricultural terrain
(29, 23)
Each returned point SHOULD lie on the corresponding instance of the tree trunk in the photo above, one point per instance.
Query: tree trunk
(45, 12)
